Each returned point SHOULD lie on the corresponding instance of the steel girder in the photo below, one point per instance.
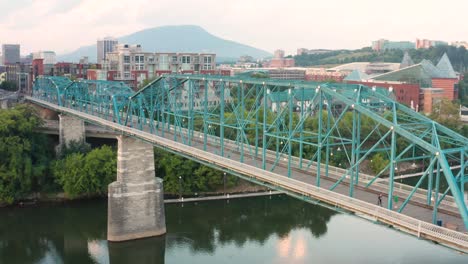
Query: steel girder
(272, 122)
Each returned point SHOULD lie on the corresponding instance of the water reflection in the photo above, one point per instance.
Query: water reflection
(76, 232)
(257, 230)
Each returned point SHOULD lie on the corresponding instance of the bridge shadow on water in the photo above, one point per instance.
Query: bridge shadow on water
(76, 232)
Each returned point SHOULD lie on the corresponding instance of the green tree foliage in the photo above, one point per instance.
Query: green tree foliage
(195, 177)
(74, 147)
(86, 174)
(24, 154)
(378, 162)
(447, 114)
(8, 86)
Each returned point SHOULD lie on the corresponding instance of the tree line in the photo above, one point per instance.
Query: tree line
(458, 56)
(29, 164)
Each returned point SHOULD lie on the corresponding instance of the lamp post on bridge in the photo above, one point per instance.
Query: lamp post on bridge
(180, 187)
(224, 183)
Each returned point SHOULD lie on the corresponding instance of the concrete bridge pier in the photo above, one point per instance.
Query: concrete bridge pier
(136, 202)
(70, 129)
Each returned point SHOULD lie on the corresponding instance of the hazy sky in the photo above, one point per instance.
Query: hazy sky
(65, 25)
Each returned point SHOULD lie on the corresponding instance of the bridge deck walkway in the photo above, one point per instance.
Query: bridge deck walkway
(416, 208)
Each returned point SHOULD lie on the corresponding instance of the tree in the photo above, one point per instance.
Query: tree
(447, 114)
(8, 86)
(378, 163)
(86, 174)
(24, 154)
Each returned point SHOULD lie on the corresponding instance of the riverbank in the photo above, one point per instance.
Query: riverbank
(242, 190)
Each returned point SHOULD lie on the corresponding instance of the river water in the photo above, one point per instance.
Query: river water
(274, 229)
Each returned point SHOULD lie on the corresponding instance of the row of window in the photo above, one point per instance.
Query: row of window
(163, 59)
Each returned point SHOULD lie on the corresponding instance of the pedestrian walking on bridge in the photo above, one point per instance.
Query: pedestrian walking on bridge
(379, 201)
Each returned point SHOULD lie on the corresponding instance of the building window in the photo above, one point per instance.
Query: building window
(185, 59)
(126, 59)
(174, 58)
(207, 59)
(127, 68)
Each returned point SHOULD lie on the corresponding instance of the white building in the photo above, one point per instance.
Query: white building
(49, 57)
(105, 46)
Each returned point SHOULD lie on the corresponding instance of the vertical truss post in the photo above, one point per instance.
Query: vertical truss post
(163, 106)
(290, 131)
(353, 155)
(264, 146)
(240, 129)
(205, 115)
(190, 114)
(327, 158)
(301, 135)
(221, 117)
(358, 144)
(141, 117)
(319, 136)
(429, 182)
(436, 195)
(392, 170)
(462, 171)
(257, 106)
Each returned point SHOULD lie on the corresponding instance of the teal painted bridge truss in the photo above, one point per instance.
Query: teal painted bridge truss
(293, 123)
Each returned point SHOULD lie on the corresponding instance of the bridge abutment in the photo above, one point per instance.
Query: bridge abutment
(136, 199)
(70, 129)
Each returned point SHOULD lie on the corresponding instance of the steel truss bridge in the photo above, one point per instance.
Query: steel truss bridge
(307, 139)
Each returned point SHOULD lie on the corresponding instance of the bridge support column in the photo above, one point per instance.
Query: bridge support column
(136, 201)
(70, 129)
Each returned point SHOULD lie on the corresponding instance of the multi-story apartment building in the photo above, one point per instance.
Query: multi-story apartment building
(132, 65)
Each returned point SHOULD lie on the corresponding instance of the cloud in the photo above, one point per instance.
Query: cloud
(65, 25)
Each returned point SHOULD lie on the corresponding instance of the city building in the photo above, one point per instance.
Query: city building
(10, 54)
(464, 113)
(279, 61)
(324, 75)
(48, 57)
(385, 44)
(460, 44)
(287, 74)
(132, 65)
(419, 86)
(426, 43)
(369, 68)
(273, 73)
(20, 75)
(303, 51)
(103, 47)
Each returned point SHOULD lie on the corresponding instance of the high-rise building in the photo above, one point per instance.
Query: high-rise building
(103, 47)
(49, 57)
(11, 54)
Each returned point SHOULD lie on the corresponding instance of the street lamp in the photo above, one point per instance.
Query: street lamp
(180, 187)
(224, 183)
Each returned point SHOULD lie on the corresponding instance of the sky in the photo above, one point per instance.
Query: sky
(65, 25)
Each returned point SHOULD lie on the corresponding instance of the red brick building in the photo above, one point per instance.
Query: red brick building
(405, 93)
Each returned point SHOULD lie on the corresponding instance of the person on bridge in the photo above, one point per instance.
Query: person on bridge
(379, 201)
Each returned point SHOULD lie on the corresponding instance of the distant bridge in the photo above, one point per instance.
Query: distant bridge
(275, 133)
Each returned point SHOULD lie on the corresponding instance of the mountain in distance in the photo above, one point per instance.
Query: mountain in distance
(187, 38)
